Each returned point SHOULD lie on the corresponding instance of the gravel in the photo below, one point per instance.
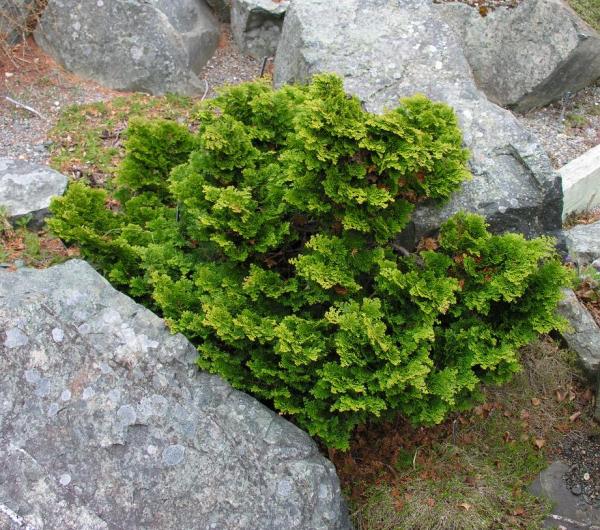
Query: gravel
(567, 128)
(582, 454)
(228, 65)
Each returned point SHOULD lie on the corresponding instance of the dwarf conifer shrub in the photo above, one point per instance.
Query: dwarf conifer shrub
(267, 239)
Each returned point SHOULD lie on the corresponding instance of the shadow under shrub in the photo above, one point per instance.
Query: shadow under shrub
(267, 239)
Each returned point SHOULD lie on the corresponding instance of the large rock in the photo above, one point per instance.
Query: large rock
(256, 25)
(154, 46)
(14, 15)
(389, 49)
(527, 56)
(581, 182)
(26, 189)
(106, 423)
(583, 242)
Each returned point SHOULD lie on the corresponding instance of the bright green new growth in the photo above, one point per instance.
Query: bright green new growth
(266, 239)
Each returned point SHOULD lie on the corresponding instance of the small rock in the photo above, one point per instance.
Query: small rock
(256, 25)
(576, 489)
(583, 242)
(26, 189)
(583, 337)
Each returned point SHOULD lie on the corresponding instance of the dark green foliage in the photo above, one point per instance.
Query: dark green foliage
(265, 238)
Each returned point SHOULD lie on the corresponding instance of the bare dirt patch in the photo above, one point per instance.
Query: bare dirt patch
(30, 77)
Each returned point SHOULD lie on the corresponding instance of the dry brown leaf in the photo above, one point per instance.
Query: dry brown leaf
(429, 243)
(465, 506)
(342, 291)
(539, 442)
(588, 395)
(536, 402)
(575, 415)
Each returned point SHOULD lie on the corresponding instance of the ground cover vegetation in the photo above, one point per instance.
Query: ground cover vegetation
(588, 10)
(19, 244)
(267, 237)
(474, 470)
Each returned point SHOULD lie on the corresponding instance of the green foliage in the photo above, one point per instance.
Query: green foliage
(265, 238)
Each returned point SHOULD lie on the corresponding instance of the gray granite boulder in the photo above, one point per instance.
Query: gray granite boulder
(14, 15)
(385, 50)
(154, 46)
(583, 242)
(583, 337)
(256, 25)
(221, 8)
(106, 423)
(527, 56)
(26, 189)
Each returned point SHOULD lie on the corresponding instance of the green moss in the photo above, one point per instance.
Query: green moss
(588, 10)
(88, 139)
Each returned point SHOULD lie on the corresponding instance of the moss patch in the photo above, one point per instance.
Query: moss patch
(88, 139)
(588, 10)
(31, 248)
